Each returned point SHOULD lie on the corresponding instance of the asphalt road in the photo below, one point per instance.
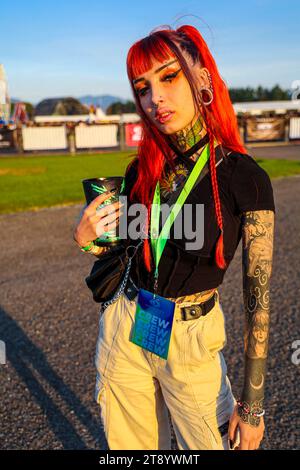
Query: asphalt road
(49, 323)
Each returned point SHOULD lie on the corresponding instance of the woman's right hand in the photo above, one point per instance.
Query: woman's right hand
(93, 224)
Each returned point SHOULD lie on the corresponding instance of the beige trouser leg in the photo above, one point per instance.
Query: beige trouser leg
(135, 387)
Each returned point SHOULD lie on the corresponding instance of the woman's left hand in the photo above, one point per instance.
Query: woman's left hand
(250, 436)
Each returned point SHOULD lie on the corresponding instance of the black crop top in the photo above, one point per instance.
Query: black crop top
(243, 186)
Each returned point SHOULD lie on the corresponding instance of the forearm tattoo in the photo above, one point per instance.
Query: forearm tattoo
(257, 240)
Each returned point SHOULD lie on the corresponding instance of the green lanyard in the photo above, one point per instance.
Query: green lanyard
(158, 242)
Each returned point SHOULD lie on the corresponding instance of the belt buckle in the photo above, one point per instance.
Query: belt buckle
(193, 312)
(190, 313)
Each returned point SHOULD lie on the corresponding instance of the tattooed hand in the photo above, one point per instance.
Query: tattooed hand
(257, 237)
(250, 436)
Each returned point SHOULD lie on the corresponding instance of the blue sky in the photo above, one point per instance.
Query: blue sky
(72, 48)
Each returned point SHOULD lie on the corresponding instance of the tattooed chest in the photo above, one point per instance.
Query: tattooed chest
(171, 182)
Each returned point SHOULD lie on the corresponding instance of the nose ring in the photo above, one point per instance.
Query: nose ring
(156, 104)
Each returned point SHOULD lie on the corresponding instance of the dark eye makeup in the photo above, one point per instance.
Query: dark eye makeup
(166, 78)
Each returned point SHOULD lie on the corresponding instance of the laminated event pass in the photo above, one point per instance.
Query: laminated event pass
(153, 323)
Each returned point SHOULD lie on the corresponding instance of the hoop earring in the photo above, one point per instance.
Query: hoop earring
(209, 92)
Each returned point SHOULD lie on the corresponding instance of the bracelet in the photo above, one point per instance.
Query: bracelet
(94, 249)
(99, 250)
(88, 247)
(246, 409)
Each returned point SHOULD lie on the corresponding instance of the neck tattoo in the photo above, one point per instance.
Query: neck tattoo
(189, 136)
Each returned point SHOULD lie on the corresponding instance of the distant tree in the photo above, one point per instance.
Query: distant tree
(258, 94)
(241, 94)
(278, 94)
(261, 94)
(118, 107)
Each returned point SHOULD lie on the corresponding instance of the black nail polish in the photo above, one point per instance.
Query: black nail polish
(231, 444)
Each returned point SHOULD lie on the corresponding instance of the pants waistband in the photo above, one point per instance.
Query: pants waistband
(185, 311)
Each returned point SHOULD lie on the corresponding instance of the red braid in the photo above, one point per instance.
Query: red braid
(219, 253)
(147, 248)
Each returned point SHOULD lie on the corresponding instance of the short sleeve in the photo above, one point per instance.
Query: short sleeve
(251, 186)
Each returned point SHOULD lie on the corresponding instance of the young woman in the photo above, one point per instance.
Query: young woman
(186, 116)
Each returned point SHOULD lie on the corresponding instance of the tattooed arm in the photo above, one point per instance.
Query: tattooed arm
(257, 239)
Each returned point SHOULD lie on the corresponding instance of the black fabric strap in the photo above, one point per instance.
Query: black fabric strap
(192, 150)
(219, 157)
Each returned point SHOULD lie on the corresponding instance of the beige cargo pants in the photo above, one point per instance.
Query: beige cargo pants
(135, 388)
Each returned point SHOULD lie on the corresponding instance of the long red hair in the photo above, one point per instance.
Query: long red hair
(219, 117)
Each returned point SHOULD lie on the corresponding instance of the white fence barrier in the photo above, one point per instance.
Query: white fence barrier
(294, 128)
(44, 138)
(94, 136)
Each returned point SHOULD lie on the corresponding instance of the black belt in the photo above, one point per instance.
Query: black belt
(198, 310)
(187, 313)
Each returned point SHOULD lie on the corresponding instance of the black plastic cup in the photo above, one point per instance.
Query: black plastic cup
(93, 187)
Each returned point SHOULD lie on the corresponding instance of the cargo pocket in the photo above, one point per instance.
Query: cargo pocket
(212, 335)
(109, 328)
(205, 336)
(217, 425)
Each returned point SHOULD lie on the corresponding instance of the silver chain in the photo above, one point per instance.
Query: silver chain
(125, 278)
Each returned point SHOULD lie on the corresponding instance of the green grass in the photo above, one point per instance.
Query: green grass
(279, 168)
(31, 182)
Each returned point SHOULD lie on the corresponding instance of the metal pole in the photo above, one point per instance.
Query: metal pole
(122, 137)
